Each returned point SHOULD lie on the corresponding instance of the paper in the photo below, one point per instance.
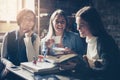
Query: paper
(60, 58)
(39, 66)
(58, 50)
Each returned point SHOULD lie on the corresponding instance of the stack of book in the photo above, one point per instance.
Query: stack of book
(49, 65)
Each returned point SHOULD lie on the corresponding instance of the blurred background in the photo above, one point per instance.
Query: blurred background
(108, 9)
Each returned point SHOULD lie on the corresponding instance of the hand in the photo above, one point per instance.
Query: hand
(68, 50)
(28, 34)
(85, 58)
(50, 42)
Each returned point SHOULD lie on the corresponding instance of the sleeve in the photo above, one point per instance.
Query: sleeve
(4, 46)
(107, 55)
(4, 52)
(32, 49)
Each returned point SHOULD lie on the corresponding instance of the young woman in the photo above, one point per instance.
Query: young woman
(102, 57)
(23, 44)
(58, 27)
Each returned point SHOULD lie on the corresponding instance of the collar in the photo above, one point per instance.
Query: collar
(17, 34)
(91, 40)
(66, 34)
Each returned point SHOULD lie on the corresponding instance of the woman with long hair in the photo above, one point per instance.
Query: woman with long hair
(58, 26)
(102, 57)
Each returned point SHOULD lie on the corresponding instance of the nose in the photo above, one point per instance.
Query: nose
(59, 23)
(78, 27)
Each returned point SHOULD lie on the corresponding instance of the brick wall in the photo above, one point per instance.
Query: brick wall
(110, 13)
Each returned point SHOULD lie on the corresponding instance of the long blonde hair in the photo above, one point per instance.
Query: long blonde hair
(51, 30)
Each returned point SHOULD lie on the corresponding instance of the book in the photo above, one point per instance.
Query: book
(60, 58)
(49, 65)
(38, 67)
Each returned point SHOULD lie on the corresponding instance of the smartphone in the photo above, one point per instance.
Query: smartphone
(15, 68)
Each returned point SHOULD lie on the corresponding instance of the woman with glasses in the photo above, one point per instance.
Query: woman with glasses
(21, 45)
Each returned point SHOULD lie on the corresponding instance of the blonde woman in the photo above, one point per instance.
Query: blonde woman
(58, 26)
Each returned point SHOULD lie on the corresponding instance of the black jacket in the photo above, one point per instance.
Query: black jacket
(16, 46)
(109, 53)
(2, 67)
(109, 68)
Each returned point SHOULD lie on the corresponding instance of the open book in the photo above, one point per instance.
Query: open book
(60, 58)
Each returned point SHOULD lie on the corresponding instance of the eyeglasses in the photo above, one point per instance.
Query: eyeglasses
(28, 19)
(61, 22)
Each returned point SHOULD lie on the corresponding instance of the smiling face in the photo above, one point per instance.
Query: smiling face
(59, 24)
(83, 27)
(27, 23)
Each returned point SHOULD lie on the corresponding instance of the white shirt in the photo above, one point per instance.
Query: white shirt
(92, 54)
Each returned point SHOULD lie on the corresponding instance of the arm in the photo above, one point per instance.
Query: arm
(4, 53)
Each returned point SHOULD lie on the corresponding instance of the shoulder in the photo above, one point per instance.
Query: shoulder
(9, 33)
(71, 34)
(107, 44)
(106, 40)
(13, 32)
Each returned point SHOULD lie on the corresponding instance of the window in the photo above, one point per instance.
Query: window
(9, 8)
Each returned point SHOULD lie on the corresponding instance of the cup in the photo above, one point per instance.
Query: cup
(57, 39)
(40, 58)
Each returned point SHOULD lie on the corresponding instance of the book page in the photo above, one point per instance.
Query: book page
(60, 58)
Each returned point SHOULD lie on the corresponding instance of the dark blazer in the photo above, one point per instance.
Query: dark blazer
(2, 67)
(16, 46)
(109, 53)
(109, 66)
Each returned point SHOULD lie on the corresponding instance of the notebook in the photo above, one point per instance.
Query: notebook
(39, 67)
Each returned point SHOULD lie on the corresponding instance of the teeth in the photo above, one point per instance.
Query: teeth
(59, 28)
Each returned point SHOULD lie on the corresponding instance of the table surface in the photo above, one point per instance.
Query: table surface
(22, 73)
(30, 76)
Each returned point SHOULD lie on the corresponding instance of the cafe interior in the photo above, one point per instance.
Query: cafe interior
(109, 11)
